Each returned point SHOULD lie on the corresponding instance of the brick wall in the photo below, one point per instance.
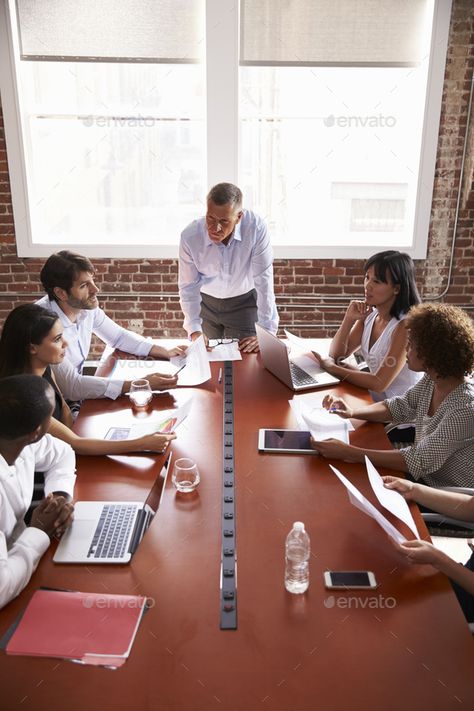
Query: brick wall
(311, 294)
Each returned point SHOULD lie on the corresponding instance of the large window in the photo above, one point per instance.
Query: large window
(326, 114)
(332, 155)
(115, 152)
(111, 104)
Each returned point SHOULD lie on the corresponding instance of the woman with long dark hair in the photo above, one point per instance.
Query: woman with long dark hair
(376, 327)
(31, 342)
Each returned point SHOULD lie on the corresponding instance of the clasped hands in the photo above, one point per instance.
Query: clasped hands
(53, 515)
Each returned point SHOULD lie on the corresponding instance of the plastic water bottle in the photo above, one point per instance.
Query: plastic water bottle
(297, 550)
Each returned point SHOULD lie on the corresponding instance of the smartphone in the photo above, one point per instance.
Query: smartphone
(342, 580)
(292, 441)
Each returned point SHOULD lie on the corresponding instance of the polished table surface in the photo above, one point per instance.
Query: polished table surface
(404, 645)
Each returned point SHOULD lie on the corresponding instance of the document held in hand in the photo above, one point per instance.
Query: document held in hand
(89, 628)
(321, 423)
(195, 372)
(395, 504)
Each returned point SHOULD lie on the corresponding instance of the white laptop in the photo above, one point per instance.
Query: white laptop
(110, 531)
(276, 359)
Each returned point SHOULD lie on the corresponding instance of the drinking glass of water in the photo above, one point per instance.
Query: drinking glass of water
(185, 475)
(140, 393)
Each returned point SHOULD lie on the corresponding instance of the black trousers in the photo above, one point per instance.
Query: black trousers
(229, 318)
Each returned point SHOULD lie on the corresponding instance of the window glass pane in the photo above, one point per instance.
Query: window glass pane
(341, 149)
(115, 152)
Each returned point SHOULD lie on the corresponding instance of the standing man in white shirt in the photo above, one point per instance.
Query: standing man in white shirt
(226, 272)
(71, 293)
(26, 405)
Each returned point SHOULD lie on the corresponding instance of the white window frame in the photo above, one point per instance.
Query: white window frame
(222, 74)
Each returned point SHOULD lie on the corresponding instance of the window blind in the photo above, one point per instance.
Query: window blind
(333, 32)
(168, 31)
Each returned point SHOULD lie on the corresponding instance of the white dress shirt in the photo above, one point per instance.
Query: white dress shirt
(74, 385)
(223, 271)
(20, 547)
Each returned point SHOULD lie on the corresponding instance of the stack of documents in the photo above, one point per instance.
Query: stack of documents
(88, 628)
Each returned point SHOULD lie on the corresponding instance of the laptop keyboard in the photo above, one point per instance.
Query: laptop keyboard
(300, 376)
(112, 532)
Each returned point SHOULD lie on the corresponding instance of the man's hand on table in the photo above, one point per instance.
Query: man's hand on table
(249, 344)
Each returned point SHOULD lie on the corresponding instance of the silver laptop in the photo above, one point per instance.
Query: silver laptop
(276, 359)
(110, 531)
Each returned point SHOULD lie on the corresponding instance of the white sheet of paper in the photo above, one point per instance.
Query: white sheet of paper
(224, 351)
(164, 421)
(390, 499)
(358, 500)
(300, 352)
(197, 368)
(306, 345)
(301, 346)
(321, 423)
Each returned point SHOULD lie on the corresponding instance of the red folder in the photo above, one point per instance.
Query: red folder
(91, 628)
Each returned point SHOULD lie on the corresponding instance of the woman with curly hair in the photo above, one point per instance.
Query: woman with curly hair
(441, 404)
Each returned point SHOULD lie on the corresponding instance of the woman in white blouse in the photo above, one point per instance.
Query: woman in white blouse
(375, 326)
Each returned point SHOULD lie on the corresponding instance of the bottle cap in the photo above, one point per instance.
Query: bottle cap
(298, 526)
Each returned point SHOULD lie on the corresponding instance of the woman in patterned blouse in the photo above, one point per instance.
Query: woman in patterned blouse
(441, 404)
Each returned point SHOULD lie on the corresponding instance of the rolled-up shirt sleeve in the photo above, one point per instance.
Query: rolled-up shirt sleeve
(262, 272)
(84, 387)
(189, 284)
(58, 462)
(433, 450)
(118, 337)
(18, 563)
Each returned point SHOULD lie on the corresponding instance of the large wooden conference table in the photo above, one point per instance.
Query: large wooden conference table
(407, 647)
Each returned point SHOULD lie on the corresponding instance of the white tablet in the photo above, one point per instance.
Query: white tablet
(289, 441)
